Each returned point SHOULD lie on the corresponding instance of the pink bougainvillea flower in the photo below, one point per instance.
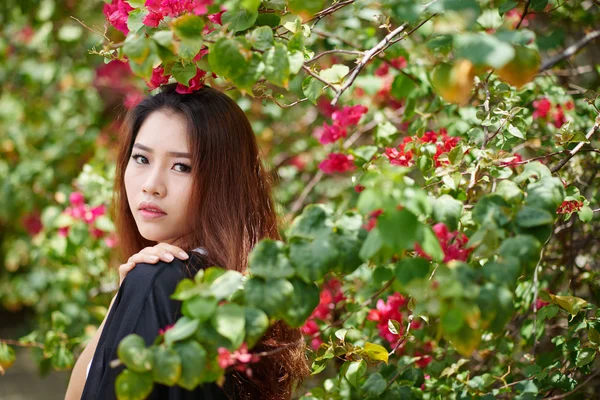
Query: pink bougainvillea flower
(385, 311)
(158, 78)
(203, 51)
(372, 219)
(325, 107)
(113, 75)
(452, 243)
(331, 134)
(111, 240)
(152, 19)
(216, 18)
(237, 358)
(569, 105)
(541, 108)
(116, 13)
(359, 188)
(429, 137)
(516, 159)
(32, 223)
(76, 199)
(399, 62)
(349, 115)
(559, 117)
(132, 99)
(383, 69)
(194, 84)
(425, 354)
(337, 162)
(162, 331)
(398, 157)
(63, 231)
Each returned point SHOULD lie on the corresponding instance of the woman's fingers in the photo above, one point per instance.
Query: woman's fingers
(124, 270)
(176, 251)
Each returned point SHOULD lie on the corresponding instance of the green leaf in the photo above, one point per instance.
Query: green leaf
(304, 300)
(571, 304)
(585, 214)
(448, 210)
(229, 57)
(374, 386)
(585, 356)
(524, 248)
(509, 191)
(483, 49)
(183, 329)
(402, 86)
(429, 242)
(334, 75)
(193, 361)
(296, 61)
(262, 38)
(270, 295)
(312, 259)
(137, 48)
(188, 27)
(376, 352)
(491, 209)
(409, 268)
(315, 221)
(277, 65)
(513, 130)
(199, 307)
(399, 229)
(452, 320)
(355, 371)
(133, 353)
(166, 366)
(257, 323)
(312, 89)
(230, 322)
(547, 193)
(239, 19)
(226, 284)
(372, 244)
(269, 19)
(131, 385)
(183, 74)
(268, 259)
(7, 355)
(507, 6)
(529, 217)
(394, 327)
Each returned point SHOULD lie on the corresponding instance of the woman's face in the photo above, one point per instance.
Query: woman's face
(159, 172)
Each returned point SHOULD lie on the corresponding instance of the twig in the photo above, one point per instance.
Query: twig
(535, 293)
(565, 160)
(315, 58)
(317, 77)
(17, 343)
(368, 55)
(403, 339)
(319, 175)
(562, 396)
(322, 14)
(525, 10)
(569, 51)
(96, 32)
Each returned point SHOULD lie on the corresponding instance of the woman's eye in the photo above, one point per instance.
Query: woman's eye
(186, 168)
(137, 156)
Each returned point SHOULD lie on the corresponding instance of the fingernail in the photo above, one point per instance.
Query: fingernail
(183, 254)
(153, 258)
(169, 256)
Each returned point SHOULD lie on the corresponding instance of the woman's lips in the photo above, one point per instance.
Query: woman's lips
(148, 214)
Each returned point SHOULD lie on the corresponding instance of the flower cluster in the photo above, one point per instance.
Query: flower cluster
(453, 244)
(159, 9)
(513, 161)
(331, 295)
(570, 206)
(543, 107)
(337, 162)
(402, 157)
(116, 13)
(115, 77)
(342, 119)
(239, 359)
(83, 212)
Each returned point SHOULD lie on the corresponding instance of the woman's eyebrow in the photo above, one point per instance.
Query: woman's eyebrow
(170, 153)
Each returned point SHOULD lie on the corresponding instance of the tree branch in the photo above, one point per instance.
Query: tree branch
(571, 153)
(569, 51)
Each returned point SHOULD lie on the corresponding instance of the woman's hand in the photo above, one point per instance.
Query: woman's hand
(151, 255)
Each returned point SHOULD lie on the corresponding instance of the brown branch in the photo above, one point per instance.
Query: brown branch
(569, 51)
(355, 52)
(366, 58)
(317, 77)
(525, 10)
(17, 343)
(322, 14)
(562, 396)
(571, 153)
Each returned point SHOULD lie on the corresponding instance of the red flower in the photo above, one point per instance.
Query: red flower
(569, 105)
(324, 105)
(429, 137)
(539, 303)
(398, 157)
(117, 12)
(542, 107)
(513, 162)
(194, 84)
(32, 223)
(349, 115)
(383, 69)
(132, 99)
(399, 62)
(331, 134)
(452, 243)
(372, 219)
(359, 188)
(111, 240)
(337, 162)
(158, 78)
(63, 231)
(559, 117)
(425, 355)
(568, 207)
(216, 18)
(162, 331)
(238, 358)
(386, 310)
(76, 199)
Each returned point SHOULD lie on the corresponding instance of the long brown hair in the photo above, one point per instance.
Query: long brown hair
(231, 209)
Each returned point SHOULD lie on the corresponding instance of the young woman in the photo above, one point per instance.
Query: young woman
(189, 186)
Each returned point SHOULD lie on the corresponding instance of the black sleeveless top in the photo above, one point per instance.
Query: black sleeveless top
(143, 307)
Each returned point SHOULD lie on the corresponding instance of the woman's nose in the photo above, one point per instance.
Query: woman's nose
(154, 184)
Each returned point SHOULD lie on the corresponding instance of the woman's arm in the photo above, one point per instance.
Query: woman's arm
(77, 380)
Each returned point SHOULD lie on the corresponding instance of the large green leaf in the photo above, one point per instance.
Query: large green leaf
(304, 300)
(230, 321)
(193, 361)
(131, 385)
(268, 259)
(271, 295)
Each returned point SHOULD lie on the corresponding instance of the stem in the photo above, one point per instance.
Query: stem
(569, 51)
(565, 160)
